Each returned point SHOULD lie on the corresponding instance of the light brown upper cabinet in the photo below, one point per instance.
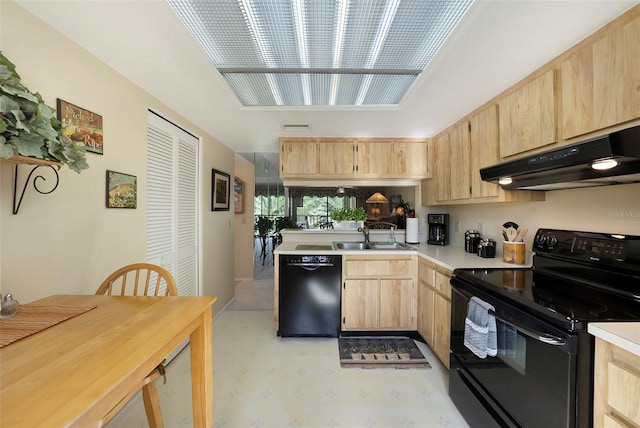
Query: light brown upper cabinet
(484, 150)
(460, 162)
(460, 152)
(601, 81)
(451, 175)
(374, 158)
(337, 157)
(410, 158)
(298, 157)
(442, 167)
(528, 116)
(354, 158)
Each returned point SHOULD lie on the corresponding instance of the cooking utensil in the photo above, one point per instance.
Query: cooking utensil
(511, 233)
(511, 224)
(521, 233)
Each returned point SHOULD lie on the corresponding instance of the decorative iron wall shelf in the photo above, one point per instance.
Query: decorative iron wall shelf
(37, 163)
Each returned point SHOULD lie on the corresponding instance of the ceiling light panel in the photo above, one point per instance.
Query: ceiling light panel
(320, 52)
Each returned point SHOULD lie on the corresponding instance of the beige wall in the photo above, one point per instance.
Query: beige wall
(243, 222)
(608, 209)
(67, 241)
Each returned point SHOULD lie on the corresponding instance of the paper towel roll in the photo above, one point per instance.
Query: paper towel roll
(411, 234)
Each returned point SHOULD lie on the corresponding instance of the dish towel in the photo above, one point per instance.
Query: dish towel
(480, 334)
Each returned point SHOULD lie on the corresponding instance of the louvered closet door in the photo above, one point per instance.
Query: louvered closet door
(172, 202)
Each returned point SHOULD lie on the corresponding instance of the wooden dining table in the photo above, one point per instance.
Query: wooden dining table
(73, 373)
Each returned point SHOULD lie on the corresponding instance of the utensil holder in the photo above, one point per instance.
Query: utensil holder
(514, 252)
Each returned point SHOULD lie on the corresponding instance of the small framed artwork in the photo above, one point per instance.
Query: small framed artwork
(81, 126)
(238, 195)
(122, 190)
(220, 190)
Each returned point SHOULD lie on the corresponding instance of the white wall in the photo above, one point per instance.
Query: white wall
(608, 209)
(67, 241)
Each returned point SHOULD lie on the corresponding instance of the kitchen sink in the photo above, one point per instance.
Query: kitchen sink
(372, 246)
(350, 245)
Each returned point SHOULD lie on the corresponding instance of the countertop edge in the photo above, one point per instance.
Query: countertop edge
(625, 335)
(449, 257)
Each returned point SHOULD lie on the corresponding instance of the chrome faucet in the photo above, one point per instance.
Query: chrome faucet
(365, 232)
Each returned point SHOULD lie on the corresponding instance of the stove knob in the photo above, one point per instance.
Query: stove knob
(541, 239)
(552, 241)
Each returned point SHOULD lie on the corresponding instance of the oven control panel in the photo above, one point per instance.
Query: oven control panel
(588, 246)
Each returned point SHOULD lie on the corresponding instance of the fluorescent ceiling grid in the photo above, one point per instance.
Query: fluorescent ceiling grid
(320, 52)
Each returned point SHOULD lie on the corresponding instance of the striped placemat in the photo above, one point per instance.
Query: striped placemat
(32, 319)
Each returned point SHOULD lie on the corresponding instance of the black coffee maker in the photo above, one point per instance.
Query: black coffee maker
(438, 229)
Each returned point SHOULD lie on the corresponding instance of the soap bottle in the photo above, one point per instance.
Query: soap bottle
(392, 237)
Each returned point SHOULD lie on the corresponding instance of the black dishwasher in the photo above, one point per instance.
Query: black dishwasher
(309, 296)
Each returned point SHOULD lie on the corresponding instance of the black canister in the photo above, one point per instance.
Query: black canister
(471, 240)
(487, 248)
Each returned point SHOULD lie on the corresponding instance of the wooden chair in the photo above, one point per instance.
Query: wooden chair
(141, 279)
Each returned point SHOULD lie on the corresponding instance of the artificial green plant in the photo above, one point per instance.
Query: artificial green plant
(29, 127)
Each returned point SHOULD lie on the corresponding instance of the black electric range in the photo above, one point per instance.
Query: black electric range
(543, 313)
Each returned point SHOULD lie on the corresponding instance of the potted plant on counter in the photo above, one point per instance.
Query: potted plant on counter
(348, 218)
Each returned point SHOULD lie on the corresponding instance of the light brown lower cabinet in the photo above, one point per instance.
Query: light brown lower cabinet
(616, 387)
(434, 307)
(379, 293)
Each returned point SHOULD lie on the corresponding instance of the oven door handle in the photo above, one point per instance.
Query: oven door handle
(540, 337)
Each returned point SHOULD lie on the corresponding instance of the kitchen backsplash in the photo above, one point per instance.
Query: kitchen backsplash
(609, 209)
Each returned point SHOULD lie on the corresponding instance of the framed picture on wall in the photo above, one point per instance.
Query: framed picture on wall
(238, 195)
(81, 126)
(122, 190)
(220, 190)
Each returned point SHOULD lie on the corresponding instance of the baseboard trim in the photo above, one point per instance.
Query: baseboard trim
(233, 299)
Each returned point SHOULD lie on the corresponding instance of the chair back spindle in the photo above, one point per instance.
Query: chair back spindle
(139, 279)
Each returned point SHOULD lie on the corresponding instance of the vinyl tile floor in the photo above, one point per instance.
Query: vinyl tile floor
(261, 380)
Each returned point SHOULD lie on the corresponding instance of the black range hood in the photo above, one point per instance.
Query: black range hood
(571, 166)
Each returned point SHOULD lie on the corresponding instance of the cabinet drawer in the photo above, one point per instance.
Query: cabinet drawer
(401, 267)
(426, 272)
(623, 391)
(442, 283)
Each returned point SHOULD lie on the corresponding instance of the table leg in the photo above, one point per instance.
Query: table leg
(202, 371)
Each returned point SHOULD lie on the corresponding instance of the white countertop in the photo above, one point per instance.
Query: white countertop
(448, 256)
(625, 335)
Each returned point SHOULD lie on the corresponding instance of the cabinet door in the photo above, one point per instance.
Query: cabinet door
(601, 82)
(410, 159)
(527, 117)
(298, 158)
(374, 158)
(426, 312)
(616, 386)
(460, 162)
(442, 328)
(336, 157)
(360, 304)
(442, 171)
(397, 304)
(484, 144)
